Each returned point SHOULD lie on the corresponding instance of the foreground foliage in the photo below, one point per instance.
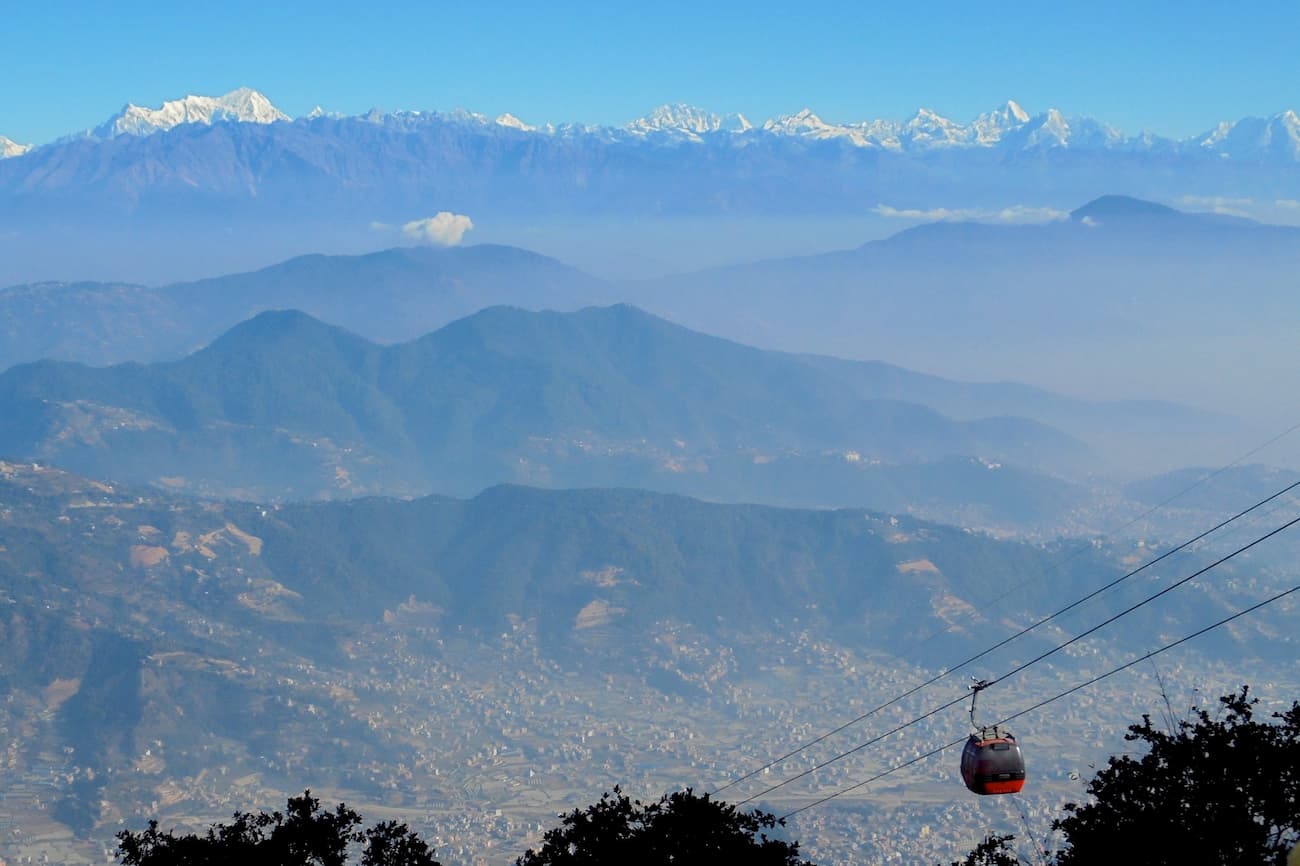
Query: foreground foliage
(302, 835)
(1217, 789)
(682, 828)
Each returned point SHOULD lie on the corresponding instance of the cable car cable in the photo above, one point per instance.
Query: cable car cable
(1053, 699)
(1143, 516)
(1035, 660)
(950, 669)
(1039, 851)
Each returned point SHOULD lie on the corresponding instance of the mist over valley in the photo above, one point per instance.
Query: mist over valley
(463, 467)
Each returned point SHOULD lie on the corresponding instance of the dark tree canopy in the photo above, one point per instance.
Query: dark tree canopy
(302, 835)
(994, 850)
(1219, 790)
(683, 828)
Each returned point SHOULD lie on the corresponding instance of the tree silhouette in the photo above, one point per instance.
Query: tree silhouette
(302, 835)
(1217, 791)
(993, 850)
(682, 828)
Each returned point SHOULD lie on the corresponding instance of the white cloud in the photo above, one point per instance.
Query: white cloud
(937, 213)
(1225, 205)
(1018, 214)
(444, 229)
(1215, 201)
(1282, 211)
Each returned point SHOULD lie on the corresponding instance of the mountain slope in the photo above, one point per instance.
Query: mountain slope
(1124, 298)
(241, 151)
(384, 648)
(178, 177)
(395, 294)
(10, 148)
(284, 405)
(243, 105)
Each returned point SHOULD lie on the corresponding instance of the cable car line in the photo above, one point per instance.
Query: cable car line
(1053, 699)
(950, 669)
(1035, 660)
(1131, 522)
(1033, 840)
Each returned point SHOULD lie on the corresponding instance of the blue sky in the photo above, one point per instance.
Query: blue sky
(1174, 68)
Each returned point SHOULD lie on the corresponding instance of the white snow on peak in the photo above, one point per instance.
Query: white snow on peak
(509, 120)
(686, 121)
(802, 122)
(1007, 127)
(927, 128)
(1290, 122)
(9, 147)
(244, 105)
(466, 117)
(1220, 132)
(1053, 130)
(992, 126)
(1255, 137)
(320, 112)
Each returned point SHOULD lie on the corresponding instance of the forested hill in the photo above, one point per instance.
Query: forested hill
(341, 635)
(284, 406)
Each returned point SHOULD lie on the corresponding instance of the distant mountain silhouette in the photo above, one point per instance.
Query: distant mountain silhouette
(1116, 300)
(391, 295)
(1123, 206)
(1124, 298)
(284, 405)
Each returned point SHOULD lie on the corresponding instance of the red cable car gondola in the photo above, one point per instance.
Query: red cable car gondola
(991, 762)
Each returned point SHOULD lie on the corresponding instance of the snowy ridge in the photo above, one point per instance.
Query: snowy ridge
(244, 105)
(509, 121)
(991, 127)
(1255, 137)
(686, 121)
(9, 147)
(1009, 127)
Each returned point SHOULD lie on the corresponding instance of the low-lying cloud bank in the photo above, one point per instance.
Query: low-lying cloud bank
(1284, 211)
(1013, 215)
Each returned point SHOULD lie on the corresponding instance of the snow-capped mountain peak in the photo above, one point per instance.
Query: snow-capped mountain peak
(802, 122)
(1276, 137)
(686, 121)
(1007, 127)
(992, 126)
(1053, 130)
(9, 147)
(243, 105)
(930, 128)
(511, 122)
(320, 112)
(467, 117)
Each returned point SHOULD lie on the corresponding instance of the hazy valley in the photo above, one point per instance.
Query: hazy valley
(300, 489)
